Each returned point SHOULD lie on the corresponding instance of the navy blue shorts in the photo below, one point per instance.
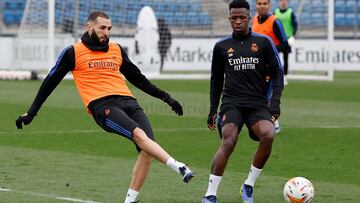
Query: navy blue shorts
(241, 116)
(121, 115)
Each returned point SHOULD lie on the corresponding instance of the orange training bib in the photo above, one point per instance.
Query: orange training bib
(97, 74)
(265, 28)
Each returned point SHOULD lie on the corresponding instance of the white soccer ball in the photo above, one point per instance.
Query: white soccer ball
(298, 190)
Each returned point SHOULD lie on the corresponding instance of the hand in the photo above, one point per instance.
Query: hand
(274, 110)
(175, 106)
(273, 119)
(275, 116)
(25, 118)
(291, 41)
(212, 121)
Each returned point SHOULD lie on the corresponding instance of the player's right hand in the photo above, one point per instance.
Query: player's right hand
(211, 121)
(26, 118)
(175, 106)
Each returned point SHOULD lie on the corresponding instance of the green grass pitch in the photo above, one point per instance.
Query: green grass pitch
(63, 153)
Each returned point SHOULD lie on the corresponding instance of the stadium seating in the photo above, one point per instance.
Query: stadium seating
(305, 18)
(180, 13)
(13, 11)
(340, 6)
(350, 6)
(176, 13)
(318, 19)
(350, 19)
(293, 4)
(12, 17)
(340, 19)
(319, 6)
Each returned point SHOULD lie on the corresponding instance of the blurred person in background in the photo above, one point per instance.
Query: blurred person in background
(266, 23)
(289, 21)
(164, 41)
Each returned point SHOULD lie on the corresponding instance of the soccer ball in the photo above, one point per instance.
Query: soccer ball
(298, 190)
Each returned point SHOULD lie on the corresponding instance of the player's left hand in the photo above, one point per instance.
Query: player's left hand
(273, 119)
(211, 121)
(291, 41)
(175, 106)
(25, 118)
(275, 111)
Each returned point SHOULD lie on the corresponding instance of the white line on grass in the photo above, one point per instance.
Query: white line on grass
(323, 126)
(93, 131)
(4, 189)
(48, 196)
(167, 129)
(50, 131)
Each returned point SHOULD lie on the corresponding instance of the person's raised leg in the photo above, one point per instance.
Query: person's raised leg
(155, 150)
(119, 122)
(149, 146)
(142, 165)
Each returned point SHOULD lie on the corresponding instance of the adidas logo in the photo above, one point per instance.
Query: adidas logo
(230, 50)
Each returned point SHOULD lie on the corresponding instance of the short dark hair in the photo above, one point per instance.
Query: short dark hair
(239, 4)
(93, 15)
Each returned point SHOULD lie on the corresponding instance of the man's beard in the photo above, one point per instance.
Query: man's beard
(96, 38)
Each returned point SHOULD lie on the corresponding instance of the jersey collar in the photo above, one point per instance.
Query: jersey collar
(241, 37)
(262, 19)
(92, 45)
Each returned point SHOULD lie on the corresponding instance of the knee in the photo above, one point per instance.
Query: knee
(228, 145)
(267, 136)
(265, 131)
(229, 134)
(139, 136)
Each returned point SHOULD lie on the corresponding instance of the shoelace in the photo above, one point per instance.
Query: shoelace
(211, 198)
(182, 170)
(248, 190)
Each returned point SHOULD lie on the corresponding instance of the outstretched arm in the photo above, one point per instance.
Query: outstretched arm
(64, 64)
(135, 77)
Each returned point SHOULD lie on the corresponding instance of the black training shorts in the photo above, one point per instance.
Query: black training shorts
(240, 116)
(120, 115)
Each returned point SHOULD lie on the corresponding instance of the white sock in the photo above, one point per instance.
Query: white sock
(174, 165)
(214, 182)
(131, 196)
(253, 174)
(276, 123)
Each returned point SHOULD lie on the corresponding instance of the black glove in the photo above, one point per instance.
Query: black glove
(175, 105)
(275, 110)
(211, 121)
(25, 118)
